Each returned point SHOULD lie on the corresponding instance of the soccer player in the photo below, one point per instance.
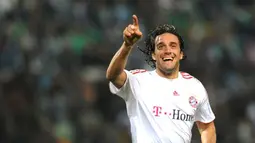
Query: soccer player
(162, 104)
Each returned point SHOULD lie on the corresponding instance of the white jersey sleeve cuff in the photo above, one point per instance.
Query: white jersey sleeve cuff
(208, 120)
(122, 92)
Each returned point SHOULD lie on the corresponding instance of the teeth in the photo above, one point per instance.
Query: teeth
(168, 58)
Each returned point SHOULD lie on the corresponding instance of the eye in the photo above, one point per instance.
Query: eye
(173, 46)
(159, 47)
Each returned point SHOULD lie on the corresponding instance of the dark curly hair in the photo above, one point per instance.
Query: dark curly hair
(150, 41)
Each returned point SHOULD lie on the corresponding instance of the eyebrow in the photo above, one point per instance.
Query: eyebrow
(175, 43)
(171, 43)
(160, 43)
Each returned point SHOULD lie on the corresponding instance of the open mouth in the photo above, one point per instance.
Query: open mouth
(168, 59)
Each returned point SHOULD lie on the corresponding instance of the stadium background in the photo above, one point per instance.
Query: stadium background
(54, 54)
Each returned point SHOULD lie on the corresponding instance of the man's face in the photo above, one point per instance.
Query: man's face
(167, 52)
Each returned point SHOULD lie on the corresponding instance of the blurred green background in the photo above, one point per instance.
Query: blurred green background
(54, 54)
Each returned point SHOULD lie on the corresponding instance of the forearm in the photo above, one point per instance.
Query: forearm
(208, 135)
(118, 62)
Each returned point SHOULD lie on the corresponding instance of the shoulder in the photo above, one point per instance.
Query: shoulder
(137, 71)
(186, 75)
(195, 86)
(191, 80)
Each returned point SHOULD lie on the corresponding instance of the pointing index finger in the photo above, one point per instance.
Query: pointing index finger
(135, 21)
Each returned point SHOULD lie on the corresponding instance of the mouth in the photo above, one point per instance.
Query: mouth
(168, 59)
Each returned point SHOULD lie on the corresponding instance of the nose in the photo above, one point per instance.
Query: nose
(168, 50)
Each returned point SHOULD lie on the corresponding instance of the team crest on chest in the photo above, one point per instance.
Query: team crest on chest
(193, 101)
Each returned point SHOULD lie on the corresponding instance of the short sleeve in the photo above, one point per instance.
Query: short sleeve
(127, 89)
(204, 111)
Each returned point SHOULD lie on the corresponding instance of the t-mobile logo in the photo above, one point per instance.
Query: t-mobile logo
(176, 114)
(157, 110)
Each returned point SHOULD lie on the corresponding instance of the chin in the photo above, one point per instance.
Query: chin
(168, 70)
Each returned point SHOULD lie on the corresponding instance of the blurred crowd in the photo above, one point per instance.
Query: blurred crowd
(54, 54)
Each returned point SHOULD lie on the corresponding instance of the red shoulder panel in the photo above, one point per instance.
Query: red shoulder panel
(186, 75)
(136, 71)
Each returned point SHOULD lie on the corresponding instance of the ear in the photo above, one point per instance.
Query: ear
(182, 55)
(153, 56)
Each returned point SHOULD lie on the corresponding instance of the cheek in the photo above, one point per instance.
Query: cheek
(156, 55)
(178, 54)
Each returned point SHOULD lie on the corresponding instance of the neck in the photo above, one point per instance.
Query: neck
(173, 74)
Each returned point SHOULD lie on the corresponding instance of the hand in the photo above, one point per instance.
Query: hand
(132, 33)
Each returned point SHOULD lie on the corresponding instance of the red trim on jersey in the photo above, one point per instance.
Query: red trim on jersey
(186, 75)
(138, 71)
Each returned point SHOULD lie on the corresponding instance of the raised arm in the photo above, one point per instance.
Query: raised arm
(115, 72)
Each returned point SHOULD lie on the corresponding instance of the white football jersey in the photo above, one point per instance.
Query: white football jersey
(163, 110)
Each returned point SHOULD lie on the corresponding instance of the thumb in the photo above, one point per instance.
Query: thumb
(135, 21)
